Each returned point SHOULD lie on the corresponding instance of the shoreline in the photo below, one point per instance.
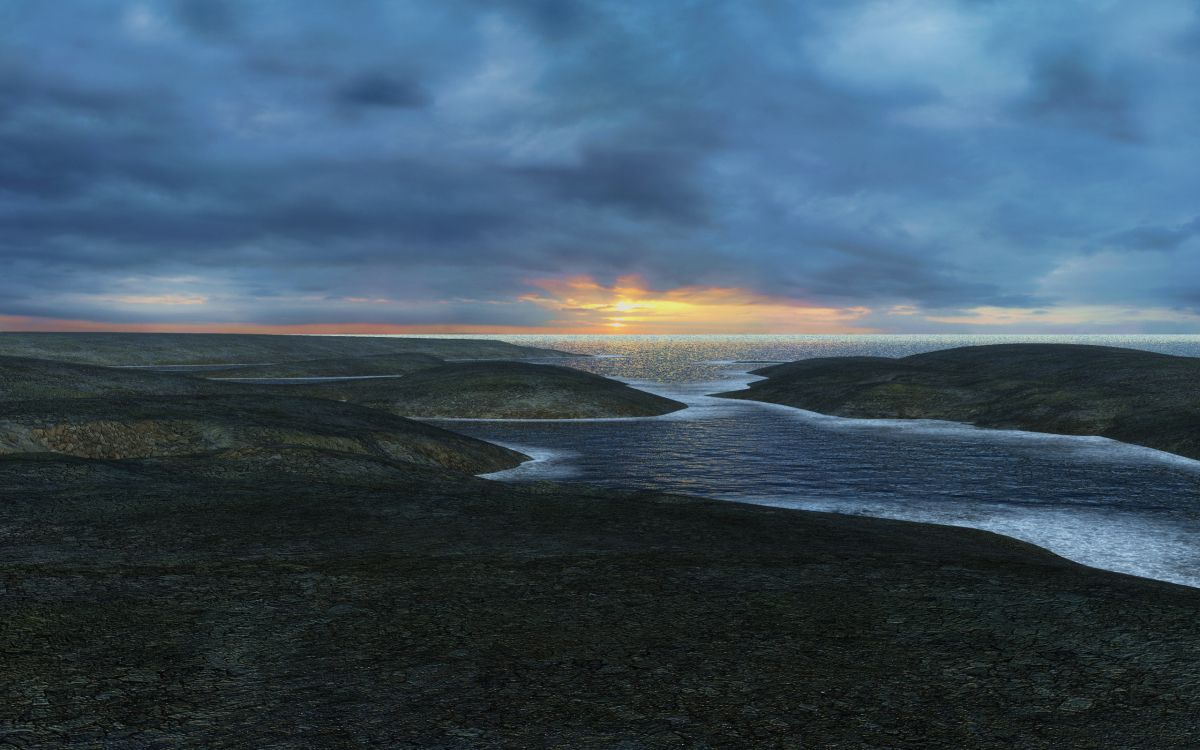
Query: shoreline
(1132, 396)
(1065, 534)
(921, 424)
(325, 560)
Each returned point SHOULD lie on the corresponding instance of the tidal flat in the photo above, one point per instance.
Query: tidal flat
(266, 569)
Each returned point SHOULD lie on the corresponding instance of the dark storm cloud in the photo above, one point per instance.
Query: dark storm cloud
(1068, 89)
(1161, 238)
(555, 19)
(208, 18)
(279, 159)
(378, 89)
(641, 182)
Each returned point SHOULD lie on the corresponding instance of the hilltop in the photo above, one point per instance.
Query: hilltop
(227, 348)
(1130, 395)
(498, 390)
(377, 364)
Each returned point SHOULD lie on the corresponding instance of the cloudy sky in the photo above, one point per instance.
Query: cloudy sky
(600, 165)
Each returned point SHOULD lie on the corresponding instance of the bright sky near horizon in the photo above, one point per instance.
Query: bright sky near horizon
(630, 166)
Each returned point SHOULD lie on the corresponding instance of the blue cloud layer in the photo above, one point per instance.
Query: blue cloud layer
(278, 158)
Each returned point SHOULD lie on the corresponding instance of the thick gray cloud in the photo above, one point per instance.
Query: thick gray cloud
(420, 163)
(1065, 88)
(379, 89)
(1151, 237)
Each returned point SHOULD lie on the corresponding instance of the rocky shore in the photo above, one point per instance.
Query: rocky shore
(1129, 395)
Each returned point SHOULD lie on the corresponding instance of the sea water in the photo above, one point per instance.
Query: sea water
(1093, 500)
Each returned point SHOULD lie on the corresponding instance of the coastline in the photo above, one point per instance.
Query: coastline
(282, 583)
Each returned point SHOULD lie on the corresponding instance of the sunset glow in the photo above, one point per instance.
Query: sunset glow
(581, 304)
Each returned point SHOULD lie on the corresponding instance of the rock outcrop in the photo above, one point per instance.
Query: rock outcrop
(164, 426)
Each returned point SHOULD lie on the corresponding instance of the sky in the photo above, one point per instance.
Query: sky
(641, 166)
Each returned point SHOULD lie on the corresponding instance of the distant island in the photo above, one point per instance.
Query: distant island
(1129, 395)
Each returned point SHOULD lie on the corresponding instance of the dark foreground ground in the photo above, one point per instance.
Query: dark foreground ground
(300, 598)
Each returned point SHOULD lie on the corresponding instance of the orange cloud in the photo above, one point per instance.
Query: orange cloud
(582, 305)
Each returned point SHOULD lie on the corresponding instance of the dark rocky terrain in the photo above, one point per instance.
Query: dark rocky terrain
(224, 348)
(201, 601)
(157, 426)
(1129, 395)
(378, 364)
(432, 388)
(498, 390)
(23, 378)
(225, 569)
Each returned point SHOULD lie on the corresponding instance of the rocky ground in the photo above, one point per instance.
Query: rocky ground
(161, 426)
(498, 390)
(222, 348)
(1125, 394)
(208, 602)
(431, 387)
(23, 379)
(378, 364)
(219, 569)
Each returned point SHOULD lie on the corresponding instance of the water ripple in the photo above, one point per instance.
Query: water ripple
(1091, 499)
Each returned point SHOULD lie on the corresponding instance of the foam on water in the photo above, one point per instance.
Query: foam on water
(1140, 546)
(543, 463)
(1096, 447)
